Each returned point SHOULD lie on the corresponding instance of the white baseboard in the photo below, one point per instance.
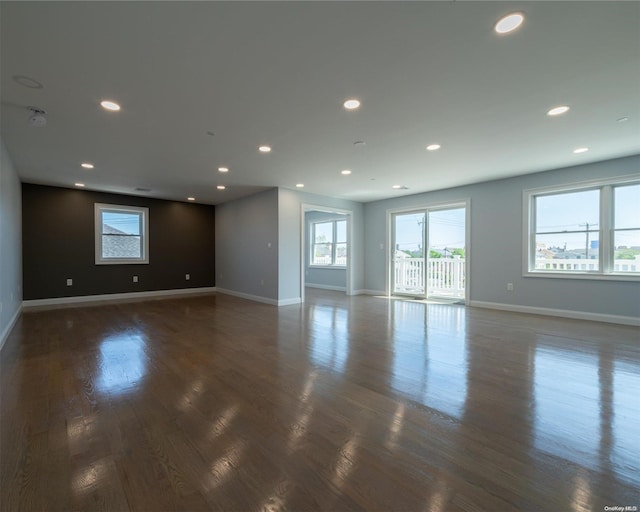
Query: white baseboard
(289, 302)
(326, 287)
(248, 296)
(369, 292)
(258, 298)
(9, 327)
(82, 299)
(564, 313)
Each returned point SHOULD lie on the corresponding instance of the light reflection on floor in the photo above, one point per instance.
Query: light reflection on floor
(329, 336)
(580, 405)
(427, 366)
(122, 363)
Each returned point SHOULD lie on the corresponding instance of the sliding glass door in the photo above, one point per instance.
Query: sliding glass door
(429, 252)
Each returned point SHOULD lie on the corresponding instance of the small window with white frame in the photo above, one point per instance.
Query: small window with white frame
(588, 230)
(121, 234)
(329, 243)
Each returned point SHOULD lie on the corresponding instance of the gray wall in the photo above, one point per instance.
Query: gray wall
(333, 278)
(244, 229)
(10, 242)
(496, 244)
(289, 214)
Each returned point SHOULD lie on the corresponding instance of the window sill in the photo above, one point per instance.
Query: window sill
(329, 267)
(584, 275)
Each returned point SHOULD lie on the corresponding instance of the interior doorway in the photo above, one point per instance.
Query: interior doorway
(325, 249)
(429, 256)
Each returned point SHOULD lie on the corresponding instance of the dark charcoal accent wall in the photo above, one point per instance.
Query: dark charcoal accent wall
(58, 243)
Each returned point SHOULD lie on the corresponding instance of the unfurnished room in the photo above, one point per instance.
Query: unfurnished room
(320, 256)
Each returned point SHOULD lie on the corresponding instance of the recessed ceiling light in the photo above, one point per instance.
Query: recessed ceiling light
(581, 150)
(86, 165)
(27, 81)
(397, 186)
(622, 120)
(79, 185)
(110, 105)
(359, 143)
(210, 134)
(433, 147)
(191, 198)
(264, 149)
(300, 185)
(223, 169)
(345, 172)
(221, 187)
(351, 104)
(509, 23)
(556, 111)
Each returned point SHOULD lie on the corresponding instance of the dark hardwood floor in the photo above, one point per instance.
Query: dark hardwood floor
(362, 403)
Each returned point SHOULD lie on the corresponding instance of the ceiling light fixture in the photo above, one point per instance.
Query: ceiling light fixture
(110, 105)
(264, 149)
(300, 185)
(556, 111)
(397, 187)
(37, 118)
(79, 185)
(580, 150)
(622, 120)
(433, 147)
(86, 165)
(223, 169)
(191, 198)
(509, 23)
(346, 172)
(351, 104)
(221, 187)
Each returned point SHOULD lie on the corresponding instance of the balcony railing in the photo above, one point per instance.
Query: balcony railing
(445, 277)
(584, 265)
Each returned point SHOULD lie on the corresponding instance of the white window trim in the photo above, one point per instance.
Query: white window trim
(312, 234)
(606, 230)
(144, 229)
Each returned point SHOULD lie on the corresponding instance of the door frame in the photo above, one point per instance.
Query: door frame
(426, 207)
(308, 207)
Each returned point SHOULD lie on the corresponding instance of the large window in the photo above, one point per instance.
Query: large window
(329, 243)
(121, 234)
(591, 229)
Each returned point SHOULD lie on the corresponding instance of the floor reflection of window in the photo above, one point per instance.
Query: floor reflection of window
(430, 357)
(329, 337)
(567, 401)
(626, 417)
(122, 363)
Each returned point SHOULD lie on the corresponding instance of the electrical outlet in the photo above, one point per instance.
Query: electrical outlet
(187, 277)
(135, 279)
(69, 282)
(509, 287)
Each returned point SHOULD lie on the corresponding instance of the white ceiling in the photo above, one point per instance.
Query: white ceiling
(278, 72)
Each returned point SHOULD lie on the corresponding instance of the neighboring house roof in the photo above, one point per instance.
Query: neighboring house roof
(127, 246)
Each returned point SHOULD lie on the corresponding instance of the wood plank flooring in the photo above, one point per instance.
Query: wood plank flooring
(343, 403)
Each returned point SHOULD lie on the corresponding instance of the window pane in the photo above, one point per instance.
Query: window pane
(626, 256)
(627, 207)
(341, 254)
(121, 246)
(322, 254)
(567, 252)
(323, 232)
(119, 223)
(341, 231)
(573, 211)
